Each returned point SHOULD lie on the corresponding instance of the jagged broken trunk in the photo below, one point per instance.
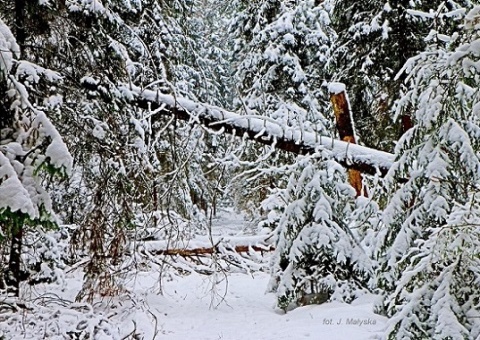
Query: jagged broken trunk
(344, 123)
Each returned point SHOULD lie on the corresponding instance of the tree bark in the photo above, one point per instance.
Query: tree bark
(343, 119)
(20, 33)
(407, 123)
(13, 276)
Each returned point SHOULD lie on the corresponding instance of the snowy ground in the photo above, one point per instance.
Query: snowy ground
(248, 313)
(191, 307)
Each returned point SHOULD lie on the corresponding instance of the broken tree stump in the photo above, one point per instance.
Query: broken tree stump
(344, 123)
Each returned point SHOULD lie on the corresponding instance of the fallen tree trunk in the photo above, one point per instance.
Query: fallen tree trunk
(204, 246)
(212, 250)
(261, 129)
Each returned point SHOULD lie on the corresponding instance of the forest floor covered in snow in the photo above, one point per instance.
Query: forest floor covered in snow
(228, 306)
(247, 312)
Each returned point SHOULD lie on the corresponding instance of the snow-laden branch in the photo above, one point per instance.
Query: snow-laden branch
(261, 129)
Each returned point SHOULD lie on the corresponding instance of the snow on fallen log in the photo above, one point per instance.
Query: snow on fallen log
(203, 246)
(201, 254)
(261, 129)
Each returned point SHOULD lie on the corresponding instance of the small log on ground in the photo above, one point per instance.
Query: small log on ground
(201, 246)
(212, 250)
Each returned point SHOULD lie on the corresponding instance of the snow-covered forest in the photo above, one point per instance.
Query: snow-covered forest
(328, 149)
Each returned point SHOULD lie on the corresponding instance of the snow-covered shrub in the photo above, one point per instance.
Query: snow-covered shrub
(316, 251)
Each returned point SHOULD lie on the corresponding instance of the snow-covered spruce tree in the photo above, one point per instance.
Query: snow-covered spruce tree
(31, 150)
(280, 52)
(87, 44)
(318, 255)
(430, 241)
(375, 39)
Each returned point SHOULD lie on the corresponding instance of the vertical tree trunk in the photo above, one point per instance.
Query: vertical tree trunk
(13, 275)
(343, 118)
(20, 8)
(407, 123)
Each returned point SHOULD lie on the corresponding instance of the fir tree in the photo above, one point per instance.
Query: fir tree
(131, 166)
